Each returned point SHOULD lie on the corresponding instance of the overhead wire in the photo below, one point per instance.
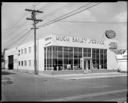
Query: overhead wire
(19, 20)
(13, 32)
(56, 9)
(16, 31)
(26, 37)
(102, 22)
(25, 34)
(15, 27)
(20, 38)
(85, 5)
(52, 12)
(36, 5)
(66, 15)
(76, 11)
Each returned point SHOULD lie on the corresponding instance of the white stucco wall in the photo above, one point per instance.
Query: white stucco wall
(112, 63)
(28, 56)
(122, 61)
(122, 65)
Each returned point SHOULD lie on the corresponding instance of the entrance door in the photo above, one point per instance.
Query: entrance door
(10, 62)
(89, 64)
(86, 64)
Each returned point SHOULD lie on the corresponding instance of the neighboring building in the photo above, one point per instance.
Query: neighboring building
(55, 52)
(122, 61)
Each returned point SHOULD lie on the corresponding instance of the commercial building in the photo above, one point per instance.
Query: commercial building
(57, 52)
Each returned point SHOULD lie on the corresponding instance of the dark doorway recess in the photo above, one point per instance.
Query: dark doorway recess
(10, 62)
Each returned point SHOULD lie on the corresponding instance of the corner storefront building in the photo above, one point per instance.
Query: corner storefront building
(58, 53)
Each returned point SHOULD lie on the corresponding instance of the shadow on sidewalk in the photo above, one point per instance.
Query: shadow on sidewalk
(7, 73)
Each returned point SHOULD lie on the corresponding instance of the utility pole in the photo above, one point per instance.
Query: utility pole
(35, 21)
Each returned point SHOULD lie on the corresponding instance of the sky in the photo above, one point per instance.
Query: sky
(91, 23)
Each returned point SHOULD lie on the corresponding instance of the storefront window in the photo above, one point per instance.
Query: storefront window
(68, 58)
(98, 56)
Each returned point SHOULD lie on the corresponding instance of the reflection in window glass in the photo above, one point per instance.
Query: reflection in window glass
(59, 48)
(60, 54)
(98, 55)
(85, 49)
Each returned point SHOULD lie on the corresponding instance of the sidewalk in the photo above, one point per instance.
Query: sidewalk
(85, 75)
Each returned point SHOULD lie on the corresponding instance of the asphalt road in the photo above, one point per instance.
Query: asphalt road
(28, 87)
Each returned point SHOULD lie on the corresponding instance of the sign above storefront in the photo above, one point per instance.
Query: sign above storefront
(113, 45)
(78, 40)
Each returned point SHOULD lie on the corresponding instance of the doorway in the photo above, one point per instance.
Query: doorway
(10, 62)
(87, 64)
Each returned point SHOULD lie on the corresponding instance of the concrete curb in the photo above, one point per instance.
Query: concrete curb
(91, 75)
(76, 78)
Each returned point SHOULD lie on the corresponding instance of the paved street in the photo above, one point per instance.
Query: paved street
(28, 87)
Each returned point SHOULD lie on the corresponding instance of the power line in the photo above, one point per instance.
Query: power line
(16, 31)
(52, 12)
(21, 25)
(19, 20)
(102, 22)
(16, 27)
(26, 37)
(74, 12)
(19, 38)
(71, 15)
(69, 12)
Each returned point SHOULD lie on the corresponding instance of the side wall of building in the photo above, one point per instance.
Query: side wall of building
(26, 59)
(112, 63)
(122, 61)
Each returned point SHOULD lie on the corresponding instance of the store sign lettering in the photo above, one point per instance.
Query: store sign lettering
(96, 42)
(78, 40)
(62, 38)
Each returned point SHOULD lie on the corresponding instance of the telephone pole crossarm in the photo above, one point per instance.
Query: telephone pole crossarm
(33, 10)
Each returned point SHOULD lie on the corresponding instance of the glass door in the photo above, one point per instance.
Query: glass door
(84, 64)
(88, 64)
